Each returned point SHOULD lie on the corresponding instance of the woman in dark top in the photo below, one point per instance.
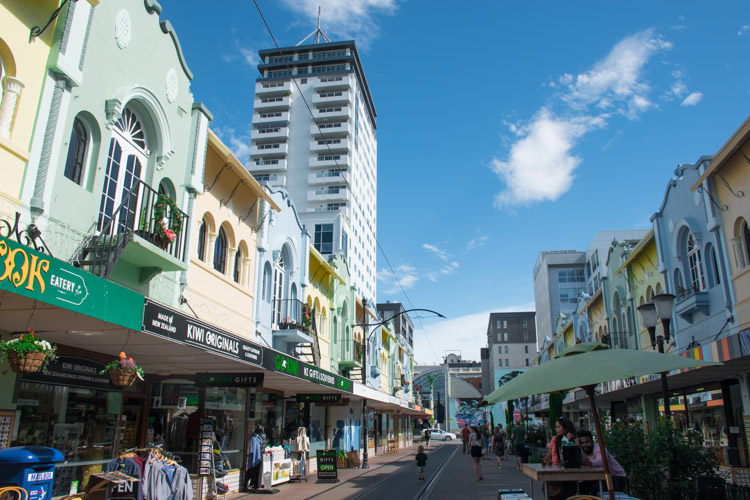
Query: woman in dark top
(475, 447)
(498, 444)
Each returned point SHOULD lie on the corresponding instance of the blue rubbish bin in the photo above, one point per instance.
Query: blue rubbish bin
(30, 467)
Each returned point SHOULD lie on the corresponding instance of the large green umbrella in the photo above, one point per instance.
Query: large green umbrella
(586, 365)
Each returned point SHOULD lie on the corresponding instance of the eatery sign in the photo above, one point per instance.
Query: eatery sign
(38, 276)
(166, 322)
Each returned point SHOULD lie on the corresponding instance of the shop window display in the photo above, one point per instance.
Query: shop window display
(225, 406)
(79, 422)
(317, 429)
(266, 409)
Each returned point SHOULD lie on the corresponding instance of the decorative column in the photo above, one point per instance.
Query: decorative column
(11, 90)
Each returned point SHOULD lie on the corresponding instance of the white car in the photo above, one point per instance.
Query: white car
(439, 435)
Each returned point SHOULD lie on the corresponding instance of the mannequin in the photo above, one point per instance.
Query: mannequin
(302, 446)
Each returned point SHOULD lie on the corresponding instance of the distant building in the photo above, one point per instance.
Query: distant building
(314, 133)
(512, 344)
(459, 397)
(559, 277)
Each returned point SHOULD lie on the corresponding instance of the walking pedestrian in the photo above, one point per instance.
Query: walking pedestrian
(475, 448)
(427, 435)
(498, 444)
(465, 437)
(421, 462)
(485, 430)
(519, 439)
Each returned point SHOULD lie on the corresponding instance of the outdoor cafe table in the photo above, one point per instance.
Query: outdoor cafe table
(539, 472)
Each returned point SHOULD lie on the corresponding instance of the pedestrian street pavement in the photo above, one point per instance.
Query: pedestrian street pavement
(449, 475)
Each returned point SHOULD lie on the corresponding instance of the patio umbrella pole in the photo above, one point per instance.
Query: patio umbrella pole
(599, 434)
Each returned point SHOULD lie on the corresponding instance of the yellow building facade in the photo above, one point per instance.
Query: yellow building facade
(318, 297)
(644, 280)
(727, 177)
(23, 59)
(221, 273)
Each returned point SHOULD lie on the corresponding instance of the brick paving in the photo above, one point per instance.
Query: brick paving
(395, 476)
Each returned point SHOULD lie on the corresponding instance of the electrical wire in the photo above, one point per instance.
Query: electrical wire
(346, 181)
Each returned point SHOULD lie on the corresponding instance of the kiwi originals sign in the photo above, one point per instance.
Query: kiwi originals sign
(165, 322)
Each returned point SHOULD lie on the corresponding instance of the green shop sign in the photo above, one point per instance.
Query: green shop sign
(32, 274)
(281, 363)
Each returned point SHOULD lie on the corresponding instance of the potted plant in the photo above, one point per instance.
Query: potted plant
(306, 317)
(123, 371)
(27, 353)
(342, 459)
(167, 225)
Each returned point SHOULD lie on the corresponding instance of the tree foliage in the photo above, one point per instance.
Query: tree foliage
(645, 458)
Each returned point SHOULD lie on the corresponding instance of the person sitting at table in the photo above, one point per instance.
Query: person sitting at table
(592, 457)
(565, 432)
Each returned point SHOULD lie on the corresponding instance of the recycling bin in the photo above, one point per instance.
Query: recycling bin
(30, 467)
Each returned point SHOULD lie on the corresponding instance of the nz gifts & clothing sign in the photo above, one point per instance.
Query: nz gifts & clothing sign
(166, 322)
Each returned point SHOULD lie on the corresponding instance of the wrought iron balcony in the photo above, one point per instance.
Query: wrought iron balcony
(351, 353)
(147, 230)
(291, 314)
(690, 301)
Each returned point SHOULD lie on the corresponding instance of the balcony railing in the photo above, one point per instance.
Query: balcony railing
(291, 314)
(690, 301)
(351, 353)
(137, 214)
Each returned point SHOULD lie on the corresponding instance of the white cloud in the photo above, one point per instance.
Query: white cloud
(250, 56)
(405, 275)
(449, 269)
(693, 99)
(467, 334)
(477, 242)
(744, 29)
(540, 165)
(618, 77)
(344, 19)
(442, 254)
(238, 143)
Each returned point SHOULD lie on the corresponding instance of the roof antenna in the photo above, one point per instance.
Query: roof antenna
(317, 34)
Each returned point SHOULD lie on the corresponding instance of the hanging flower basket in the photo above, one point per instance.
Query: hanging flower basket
(123, 371)
(31, 363)
(122, 377)
(28, 354)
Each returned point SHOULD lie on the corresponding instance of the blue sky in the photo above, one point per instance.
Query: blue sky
(504, 128)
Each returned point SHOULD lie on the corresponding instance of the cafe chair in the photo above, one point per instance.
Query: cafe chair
(584, 497)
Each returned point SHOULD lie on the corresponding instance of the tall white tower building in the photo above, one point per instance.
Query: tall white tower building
(314, 133)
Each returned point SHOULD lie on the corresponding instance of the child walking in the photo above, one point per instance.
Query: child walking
(421, 462)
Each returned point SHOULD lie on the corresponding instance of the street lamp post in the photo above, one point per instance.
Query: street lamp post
(365, 461)
(661, 308)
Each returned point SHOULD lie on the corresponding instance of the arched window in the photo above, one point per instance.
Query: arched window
(77, 150)
(202, 241)
(220, 251)
(679, 285)
(745, 235)
(125, 160)
(649, 293)
(237, 276)
(267, 282)
(278, 290)
(712, 267)
(696, 265)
